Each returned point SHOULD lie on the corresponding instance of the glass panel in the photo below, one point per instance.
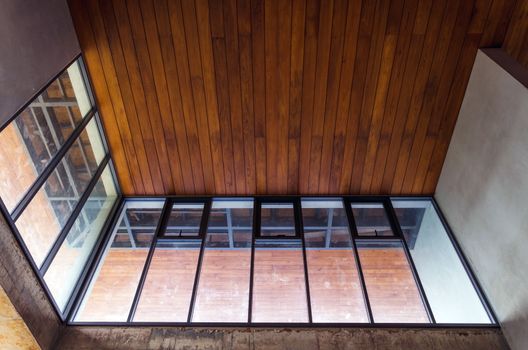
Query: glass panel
(223, 291)
(112, 289)
(371, 219)
(31, 140)
(392, 291)
(71, 258)
(279, 288)
(335, 288)
(184, 220)
(450, 293)
(167, 292)
(277, 219)
(50, 209)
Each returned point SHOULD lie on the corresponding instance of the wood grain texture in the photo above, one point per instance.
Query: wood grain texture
(286, 97)
(516, 39)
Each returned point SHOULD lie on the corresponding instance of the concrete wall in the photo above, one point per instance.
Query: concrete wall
(37, 41)
(81, 338)
(25, 292)
(483, 188)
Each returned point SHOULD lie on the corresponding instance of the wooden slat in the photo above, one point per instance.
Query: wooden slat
(286, 96)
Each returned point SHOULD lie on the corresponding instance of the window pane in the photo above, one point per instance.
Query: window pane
(277, 219)
(184, 220)
(167, 292)
(223, 290)
(113, 286)
(392, 291)
(335, 288)
(71, 258)
(279, 288)
(371, 219)
(50, 209)
(449, 290)
(29, 142)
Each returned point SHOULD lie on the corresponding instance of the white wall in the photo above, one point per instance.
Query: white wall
(483, 190)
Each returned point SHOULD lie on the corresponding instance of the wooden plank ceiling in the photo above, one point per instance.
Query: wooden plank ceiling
(282, 97)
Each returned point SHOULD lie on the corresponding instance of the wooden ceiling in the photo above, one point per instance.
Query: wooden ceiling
(277, 97)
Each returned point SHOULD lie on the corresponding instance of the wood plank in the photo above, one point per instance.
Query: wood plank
(309, 70)
(333, 88)
(324, 40)
(246, 85)
(259, 93)
(233, 71)
(296, 86)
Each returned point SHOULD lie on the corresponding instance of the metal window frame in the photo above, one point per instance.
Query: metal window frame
(398, 238)
(106, 162)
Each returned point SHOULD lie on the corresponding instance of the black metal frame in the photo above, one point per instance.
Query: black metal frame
(296, 200)
(11, 217)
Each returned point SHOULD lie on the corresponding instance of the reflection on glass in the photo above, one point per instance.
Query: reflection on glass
(184, 220)
(50, 209)
(371, 219)
(449, 291)
(31, 140)
(392, 291)
(167, 292)
(335, 289)
(112, 289)
(279, 288)
(277, 219)
(223, 290)
(64, 272)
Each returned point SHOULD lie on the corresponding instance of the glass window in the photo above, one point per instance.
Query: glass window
(277, 219)
(35, 136)
(392, 291)
(184, 220)
(50, 209)
(335, 288)
(279, 287)
(63, 274)
(223, 290)
(112, 289)
(166, 295)
(449, 291)
(371, 219)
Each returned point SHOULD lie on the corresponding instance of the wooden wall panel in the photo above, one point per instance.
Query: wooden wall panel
(286, 97)
(516, 40)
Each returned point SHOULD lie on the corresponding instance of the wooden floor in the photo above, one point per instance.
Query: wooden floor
(279, 291)
(283, 96)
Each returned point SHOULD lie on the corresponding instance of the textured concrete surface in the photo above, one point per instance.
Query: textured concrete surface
(483, 191)
(25, 292)
(80, 338)
(14, 333)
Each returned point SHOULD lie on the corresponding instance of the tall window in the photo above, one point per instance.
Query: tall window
(56, 181)
(280, 260)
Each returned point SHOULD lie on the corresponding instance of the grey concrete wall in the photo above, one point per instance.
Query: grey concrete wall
(80, 338)
(483, 190)
(37, 40)
(24, 291)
